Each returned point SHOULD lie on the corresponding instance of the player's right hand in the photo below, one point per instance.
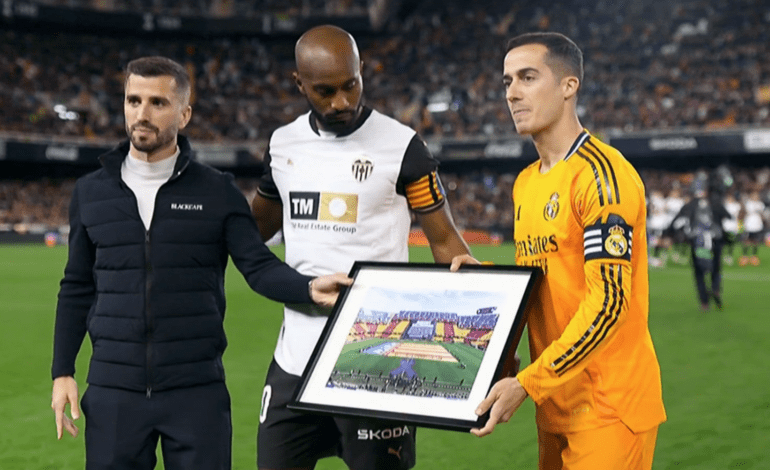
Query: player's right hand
(65, 390)
(459, 260)
(505, 397)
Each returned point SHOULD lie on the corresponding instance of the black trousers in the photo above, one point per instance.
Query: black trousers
(123, 428)
(713, 266)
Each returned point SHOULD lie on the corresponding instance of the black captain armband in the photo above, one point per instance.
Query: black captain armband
(610, 240)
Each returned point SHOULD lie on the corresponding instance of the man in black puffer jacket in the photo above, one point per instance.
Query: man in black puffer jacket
(150, 235)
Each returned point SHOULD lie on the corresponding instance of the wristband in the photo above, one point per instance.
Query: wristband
(310, 288)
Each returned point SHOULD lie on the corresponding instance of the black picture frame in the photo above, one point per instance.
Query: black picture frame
(416, 343)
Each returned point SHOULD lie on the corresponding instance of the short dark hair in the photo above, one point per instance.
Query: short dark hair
(157, 66)
(561, 49)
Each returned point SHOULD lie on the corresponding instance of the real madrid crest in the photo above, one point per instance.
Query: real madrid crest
(552, 207)
(616, 243)
(362, 168)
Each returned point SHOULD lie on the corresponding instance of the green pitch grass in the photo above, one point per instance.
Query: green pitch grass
(351, 358)
(716, 382)
(444, 372)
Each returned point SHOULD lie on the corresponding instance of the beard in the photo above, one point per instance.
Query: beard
(152, 141)
(336, 122)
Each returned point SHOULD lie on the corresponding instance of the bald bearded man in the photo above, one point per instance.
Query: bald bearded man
(341, 181)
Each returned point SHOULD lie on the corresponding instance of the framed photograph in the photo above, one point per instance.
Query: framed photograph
(417, 343)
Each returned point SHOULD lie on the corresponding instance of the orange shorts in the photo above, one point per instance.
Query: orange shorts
(613, 447)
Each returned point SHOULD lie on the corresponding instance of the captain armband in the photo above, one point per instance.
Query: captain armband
(611, 240)
(426, 194)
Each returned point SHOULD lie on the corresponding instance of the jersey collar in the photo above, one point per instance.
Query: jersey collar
(577, 143)
(365, 113)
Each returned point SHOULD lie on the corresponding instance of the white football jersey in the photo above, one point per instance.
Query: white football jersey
(673, 205)
(657, 219)
(734, 209)
(341, 204)
(753, 220)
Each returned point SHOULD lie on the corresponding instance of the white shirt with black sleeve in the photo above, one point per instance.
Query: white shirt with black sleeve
(345, 198)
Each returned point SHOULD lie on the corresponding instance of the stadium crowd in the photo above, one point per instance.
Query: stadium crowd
(479, 200)
(649, 65)
(39, 202)
(220, 8)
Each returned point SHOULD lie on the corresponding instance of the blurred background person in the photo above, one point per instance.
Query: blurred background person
(732, 226)
(675, 233)
(657, 222)
(754, 228)
(701, 219)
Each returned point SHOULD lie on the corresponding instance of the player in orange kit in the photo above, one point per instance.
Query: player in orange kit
(579, 215)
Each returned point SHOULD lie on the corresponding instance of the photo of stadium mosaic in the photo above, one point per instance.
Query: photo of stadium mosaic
(418, 353)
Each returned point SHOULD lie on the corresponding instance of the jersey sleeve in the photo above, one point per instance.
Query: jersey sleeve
(608, 203)
(418, 180)
(267, 187)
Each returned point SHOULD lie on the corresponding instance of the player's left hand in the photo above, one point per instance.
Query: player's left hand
(325, 289)
(460, 260)
(505, 398)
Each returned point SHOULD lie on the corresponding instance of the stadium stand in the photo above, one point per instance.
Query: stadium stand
(439, 334)
(220, 8)
(398, 330)
(433, 69)
(449, 332)
(388, 330)
(360, 330)
(688, 66)
(478, 338)
(478, 199)
(460, 334)
(420, 330)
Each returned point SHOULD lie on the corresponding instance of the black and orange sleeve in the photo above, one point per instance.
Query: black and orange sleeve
(418, 179)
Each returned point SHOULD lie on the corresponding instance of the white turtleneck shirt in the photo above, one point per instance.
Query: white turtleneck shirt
(144, 179)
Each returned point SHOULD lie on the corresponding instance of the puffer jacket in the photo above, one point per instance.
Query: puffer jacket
(153, 301)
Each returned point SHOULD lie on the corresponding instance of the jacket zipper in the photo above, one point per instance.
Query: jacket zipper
(147, 284)
(148, 316)
(150, 325)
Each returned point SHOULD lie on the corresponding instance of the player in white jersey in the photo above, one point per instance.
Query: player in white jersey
(675, 235)
(657, 223)
(674, 203)
(341, 181)
(754, 225)
(731, 226)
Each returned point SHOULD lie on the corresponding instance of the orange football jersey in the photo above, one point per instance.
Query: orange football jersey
(583, 224)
